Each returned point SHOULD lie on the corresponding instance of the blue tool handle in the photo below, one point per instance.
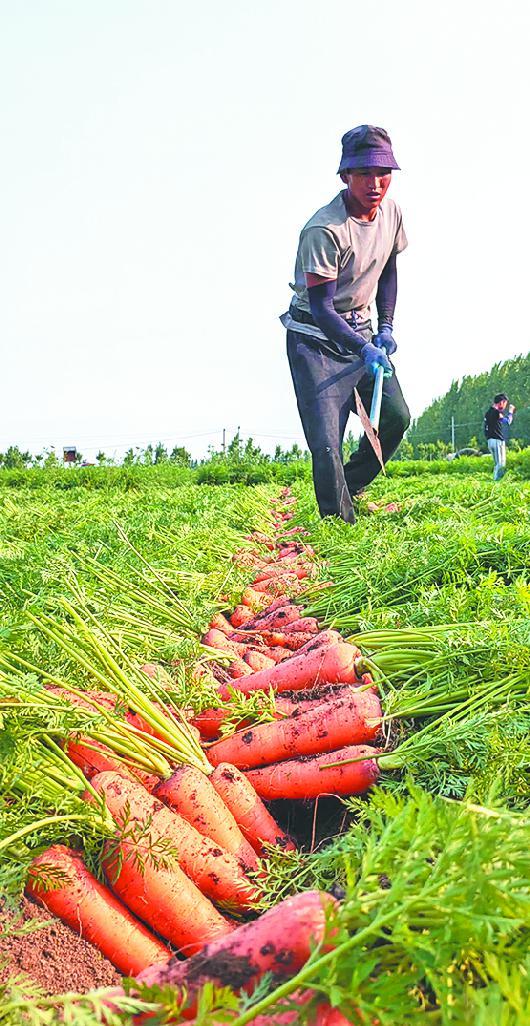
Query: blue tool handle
(375, 409)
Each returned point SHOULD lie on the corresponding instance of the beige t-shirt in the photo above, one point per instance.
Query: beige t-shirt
(336, 245)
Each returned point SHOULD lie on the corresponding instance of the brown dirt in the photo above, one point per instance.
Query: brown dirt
(53, 956)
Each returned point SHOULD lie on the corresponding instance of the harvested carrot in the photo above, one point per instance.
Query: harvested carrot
(254, 599)
(254, 820)
(293, 640)
(238, 668)
(210, 721)
(273, 586)
(308, 775)
(220, 623)
(241, 615)
(94, 757)
(192, 794)
(215, 872)
(277, 617)
(88, 700)
(349, 719)
(305, 623)
(216, 639)
(281, 570)
(258, 660)
(320, 665)
(60, 881)
(166, 899)
(279, 942)
(325, 1015)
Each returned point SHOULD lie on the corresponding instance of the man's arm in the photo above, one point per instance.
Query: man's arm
(386, 304)
(321, 292)
(387, 293)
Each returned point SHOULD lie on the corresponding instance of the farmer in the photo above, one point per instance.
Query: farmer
(497, 422)
(347, 258)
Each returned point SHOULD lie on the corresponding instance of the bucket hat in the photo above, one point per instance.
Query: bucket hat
(367, 146)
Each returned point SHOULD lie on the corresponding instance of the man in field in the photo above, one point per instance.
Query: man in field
(497, 421)
(347, 259)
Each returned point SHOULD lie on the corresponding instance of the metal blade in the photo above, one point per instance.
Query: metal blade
(371, 435)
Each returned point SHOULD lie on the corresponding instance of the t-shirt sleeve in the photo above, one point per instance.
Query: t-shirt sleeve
(319, 252)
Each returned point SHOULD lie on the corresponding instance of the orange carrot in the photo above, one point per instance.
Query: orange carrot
(293, 640)
(166, 899)
(308, 776)
(321, 665)
(273, 586)
(192, 794)
(60, 881)
(279, 942)
(276, 619)
(305, 623)
(238, 668)
(254, 600)
(254, 820)
(281, 570)
(215, 872)
(349, 719)
(220, 623)
(325, 1015)
(210, 721)
(241, 615)
(94, 757)
(258, 660)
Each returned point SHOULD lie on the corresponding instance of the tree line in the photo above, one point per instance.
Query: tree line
(467, 401)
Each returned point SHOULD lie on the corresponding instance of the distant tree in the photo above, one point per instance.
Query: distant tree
(101, 459)
(147, 455)
(129, 458)
(15, 459)
(467, 400)
(161, 454)
(180, 456)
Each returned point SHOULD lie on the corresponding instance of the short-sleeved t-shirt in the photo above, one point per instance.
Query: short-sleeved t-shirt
(497, 424)
(336, 245)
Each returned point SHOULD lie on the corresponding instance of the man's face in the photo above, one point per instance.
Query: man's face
(367, 186)
(502, 404)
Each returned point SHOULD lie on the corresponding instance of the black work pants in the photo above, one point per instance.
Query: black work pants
(324, 387)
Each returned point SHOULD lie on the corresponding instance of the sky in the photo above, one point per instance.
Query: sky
(159, 161)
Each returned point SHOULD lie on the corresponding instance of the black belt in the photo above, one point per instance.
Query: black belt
(306, 318)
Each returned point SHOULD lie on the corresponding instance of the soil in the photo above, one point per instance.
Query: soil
(53, 956)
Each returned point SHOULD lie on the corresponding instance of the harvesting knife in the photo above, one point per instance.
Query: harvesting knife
(371, 423)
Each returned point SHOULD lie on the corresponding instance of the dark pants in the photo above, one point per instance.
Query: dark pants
(324, 391)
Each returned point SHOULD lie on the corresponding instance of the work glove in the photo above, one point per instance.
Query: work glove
(373, 357)
(385, 340)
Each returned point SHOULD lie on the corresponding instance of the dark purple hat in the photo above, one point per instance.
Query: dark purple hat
(367, 146)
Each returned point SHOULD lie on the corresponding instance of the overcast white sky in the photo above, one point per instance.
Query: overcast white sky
(159, 160)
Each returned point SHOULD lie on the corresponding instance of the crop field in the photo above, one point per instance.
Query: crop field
(259, 768)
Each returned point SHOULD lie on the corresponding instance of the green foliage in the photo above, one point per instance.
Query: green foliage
(467, 401)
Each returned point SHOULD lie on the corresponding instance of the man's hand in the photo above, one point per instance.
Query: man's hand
(385, 340)
(373, 357)
(511, 408)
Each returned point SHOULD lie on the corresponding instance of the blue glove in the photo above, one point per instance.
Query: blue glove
(373, 357)
(385, 340)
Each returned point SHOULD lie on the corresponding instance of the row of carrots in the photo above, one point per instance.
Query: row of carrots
(215, 824)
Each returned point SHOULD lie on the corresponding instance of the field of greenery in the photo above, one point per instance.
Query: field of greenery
(105, 568)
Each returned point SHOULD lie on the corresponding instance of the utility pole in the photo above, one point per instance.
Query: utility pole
(224, 441)
(453, 433)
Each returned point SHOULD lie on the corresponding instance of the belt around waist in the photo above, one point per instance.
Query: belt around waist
(305, 318)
